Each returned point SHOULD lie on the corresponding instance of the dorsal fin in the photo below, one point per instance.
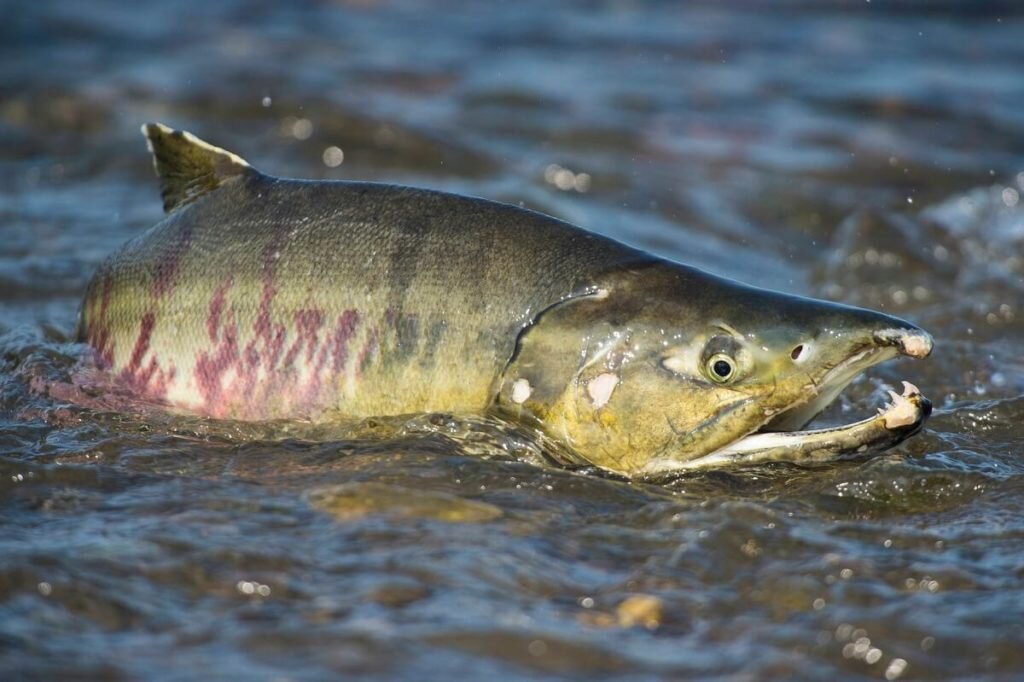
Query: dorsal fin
(188, 167)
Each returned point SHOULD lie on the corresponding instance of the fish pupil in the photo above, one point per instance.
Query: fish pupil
(722, 368)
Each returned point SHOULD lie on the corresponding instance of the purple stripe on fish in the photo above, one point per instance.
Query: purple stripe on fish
(141, 343)
(212, 366)
(217, 304)
(343, 333)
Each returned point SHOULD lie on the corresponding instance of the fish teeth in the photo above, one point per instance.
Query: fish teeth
(899, 401)
(901, 413)
(910, 389)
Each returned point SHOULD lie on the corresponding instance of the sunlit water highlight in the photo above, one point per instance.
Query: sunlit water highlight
(870, 155)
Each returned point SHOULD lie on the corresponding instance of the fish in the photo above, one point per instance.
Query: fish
(260, 298)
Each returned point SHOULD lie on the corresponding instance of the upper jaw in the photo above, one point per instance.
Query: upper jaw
(885, 344)
(826, 389)
(912, 342)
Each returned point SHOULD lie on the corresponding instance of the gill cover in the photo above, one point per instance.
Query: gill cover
(618, 377)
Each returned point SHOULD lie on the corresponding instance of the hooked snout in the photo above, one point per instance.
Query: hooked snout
(912, 342)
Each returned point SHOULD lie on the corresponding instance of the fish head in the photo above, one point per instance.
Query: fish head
(664, 368)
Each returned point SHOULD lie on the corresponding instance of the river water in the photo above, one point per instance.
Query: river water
(868, 152)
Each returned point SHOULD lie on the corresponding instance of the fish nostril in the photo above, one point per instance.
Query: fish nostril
(797, 352)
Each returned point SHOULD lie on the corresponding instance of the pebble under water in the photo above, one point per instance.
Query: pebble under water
(870, 153)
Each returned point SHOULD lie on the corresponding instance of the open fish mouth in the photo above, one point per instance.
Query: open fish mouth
(898, 420)
(783, 438)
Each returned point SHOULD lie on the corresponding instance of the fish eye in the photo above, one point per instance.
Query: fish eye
(720, 368)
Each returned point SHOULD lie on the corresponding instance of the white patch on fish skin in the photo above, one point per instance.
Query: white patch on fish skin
(682, 360)
(600, 389)
(521, 391)
(676, 363)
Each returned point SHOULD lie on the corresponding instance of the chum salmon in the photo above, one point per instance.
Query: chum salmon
(260, 298)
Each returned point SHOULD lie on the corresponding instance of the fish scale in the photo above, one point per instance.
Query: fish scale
(261, 298)
(273, 298)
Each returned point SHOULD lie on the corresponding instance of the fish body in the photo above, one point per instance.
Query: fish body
(278, 298)
(265, 298)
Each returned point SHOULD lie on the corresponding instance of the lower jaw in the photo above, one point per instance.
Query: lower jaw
(891, 426)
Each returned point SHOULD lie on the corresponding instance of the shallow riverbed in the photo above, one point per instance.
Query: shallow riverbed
(871, 153)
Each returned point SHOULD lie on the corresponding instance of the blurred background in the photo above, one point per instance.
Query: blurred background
(870, 152)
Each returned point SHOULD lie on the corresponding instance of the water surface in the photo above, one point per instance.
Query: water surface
(869, 153)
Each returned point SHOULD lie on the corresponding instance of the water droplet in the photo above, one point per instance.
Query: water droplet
(537, 647)
(565, 179)
(862, 645)
(302, 129)
(895, 669)
(333, 157)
